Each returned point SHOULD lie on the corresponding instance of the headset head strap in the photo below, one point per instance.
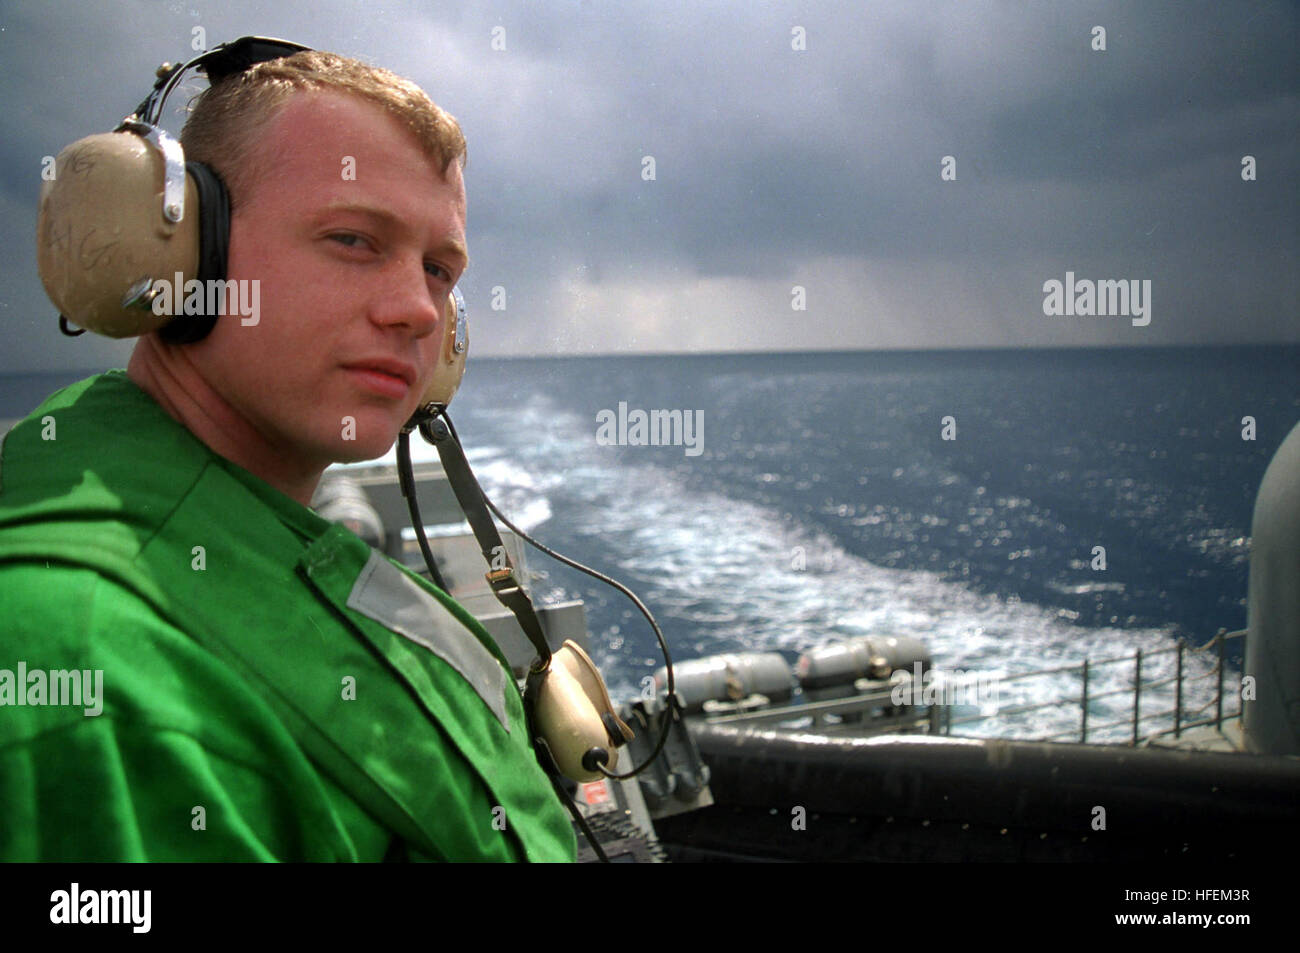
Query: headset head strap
(218, 63)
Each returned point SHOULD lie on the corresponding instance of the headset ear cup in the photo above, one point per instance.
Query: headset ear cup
(214, 250)
(103, 235)
(450, 366)
(574, 713)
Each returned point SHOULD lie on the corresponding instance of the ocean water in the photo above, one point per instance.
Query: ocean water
(824, 503)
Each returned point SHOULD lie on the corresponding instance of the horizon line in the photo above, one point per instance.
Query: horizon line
(1019, 348)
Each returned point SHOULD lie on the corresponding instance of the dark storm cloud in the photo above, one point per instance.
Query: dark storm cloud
(777, 167)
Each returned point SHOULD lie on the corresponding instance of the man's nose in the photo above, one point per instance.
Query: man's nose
(407, 299)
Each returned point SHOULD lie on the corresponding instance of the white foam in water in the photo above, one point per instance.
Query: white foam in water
(729, 566)
(513, 488)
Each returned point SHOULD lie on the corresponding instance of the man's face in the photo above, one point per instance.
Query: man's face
(356, 238)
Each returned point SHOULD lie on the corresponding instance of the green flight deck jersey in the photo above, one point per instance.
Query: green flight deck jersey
(193, 666)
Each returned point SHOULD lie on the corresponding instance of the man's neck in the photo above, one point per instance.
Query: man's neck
(165, 374)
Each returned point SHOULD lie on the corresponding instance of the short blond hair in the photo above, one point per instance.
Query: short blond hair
(228, 118)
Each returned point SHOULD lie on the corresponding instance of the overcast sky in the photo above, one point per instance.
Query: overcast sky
(775, 167)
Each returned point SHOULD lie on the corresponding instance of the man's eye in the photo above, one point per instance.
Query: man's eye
(346, 238)
(437, 271)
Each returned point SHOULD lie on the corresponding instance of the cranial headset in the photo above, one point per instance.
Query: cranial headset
(126, 210)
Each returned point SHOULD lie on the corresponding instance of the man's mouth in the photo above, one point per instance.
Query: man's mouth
(387, 377)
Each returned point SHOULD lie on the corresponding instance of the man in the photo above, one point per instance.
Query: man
(272, 689)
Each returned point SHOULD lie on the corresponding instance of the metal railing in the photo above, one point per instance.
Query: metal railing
(875, 712)
(1086, 698)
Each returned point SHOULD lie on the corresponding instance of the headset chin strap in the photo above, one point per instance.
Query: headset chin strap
(501, 576)
(571, 718)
